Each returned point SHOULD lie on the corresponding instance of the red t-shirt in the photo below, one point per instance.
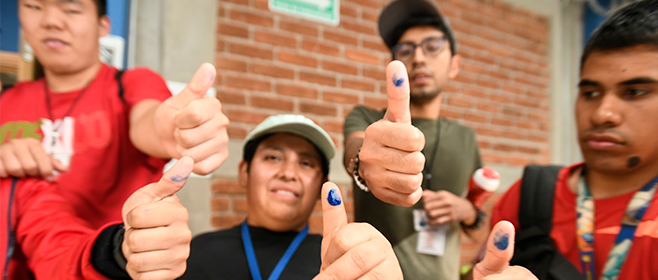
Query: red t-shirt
(641, 259)
(105, 167)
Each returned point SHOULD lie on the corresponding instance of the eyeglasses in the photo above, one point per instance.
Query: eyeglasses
(431, 47)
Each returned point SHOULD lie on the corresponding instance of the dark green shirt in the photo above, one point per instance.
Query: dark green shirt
(454, 163)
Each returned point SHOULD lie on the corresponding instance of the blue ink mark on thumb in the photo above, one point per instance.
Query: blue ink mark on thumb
(178, 178)
(501, 240)
(333, 197)
(397, 82)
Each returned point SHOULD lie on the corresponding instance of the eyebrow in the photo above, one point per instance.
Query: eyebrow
(639, 81)
(77, 2)
(302, 154)
(585, 83)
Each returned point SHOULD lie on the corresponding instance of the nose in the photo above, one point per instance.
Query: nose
(608, 111)
(418, 56)
(288, 170)
(52, 18)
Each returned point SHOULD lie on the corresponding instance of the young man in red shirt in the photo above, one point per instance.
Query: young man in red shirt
(105, 134)
(43, 239)
(604, 211)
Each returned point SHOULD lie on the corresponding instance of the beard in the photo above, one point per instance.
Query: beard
(422, 96)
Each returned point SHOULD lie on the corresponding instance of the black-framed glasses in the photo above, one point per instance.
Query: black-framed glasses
(431, 47)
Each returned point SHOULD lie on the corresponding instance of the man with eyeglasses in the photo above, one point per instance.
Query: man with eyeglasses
(408, 153)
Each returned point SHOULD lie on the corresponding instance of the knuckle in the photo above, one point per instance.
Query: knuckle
(133, 241)
(360, 259)
(135, 263)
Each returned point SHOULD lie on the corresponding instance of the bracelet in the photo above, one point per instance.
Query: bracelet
(117, 252)
(479, 220)
(355, 174)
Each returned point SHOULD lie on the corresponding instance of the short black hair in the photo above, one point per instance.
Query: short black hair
(250, 151)
(101, 6)
(631, 25)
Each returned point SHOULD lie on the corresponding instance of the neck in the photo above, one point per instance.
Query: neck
(273, 225)
(429, 110)
(605, 185)
(70, 81)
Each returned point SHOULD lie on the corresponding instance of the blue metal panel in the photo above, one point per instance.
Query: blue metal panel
(119, 13)
(9, 25)
(592, 20)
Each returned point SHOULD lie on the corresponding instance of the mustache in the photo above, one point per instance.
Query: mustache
(604, 130)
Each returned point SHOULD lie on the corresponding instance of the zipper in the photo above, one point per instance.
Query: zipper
(10, 232)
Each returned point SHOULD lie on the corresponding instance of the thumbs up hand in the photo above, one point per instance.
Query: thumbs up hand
(500, 249)
(192, 124)
(352, 251)
(157, 239)
(390, 160)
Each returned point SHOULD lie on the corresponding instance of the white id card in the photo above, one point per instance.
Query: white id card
(431, 239)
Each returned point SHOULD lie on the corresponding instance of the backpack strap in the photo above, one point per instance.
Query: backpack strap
(536, 204)
(118, 76)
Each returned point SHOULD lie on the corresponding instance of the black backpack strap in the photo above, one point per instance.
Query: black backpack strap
(118, 76)
(536, 203)
(534, 248)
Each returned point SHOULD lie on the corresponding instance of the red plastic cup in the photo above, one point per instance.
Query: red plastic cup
(483, 184)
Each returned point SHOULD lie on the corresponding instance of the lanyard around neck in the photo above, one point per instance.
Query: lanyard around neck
(278, 269)
(585, 229)
(429, 162)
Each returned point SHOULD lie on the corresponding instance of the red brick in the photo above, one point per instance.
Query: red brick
(489, 158)
(317, 78)
(487, 131)
(517, 161)
(317, 47)
(219, 45)
(340, 67)
(360, 56)
(340, 38)
(252, 18)
(347, 11)
(336, 127)
(360, 28)
(460, 102)
(298, 28)
(527, 125)
(318, 109)
(298, 91)
(230, 97)
(499, 51)
(367, 3)
(227, 186)
(474, 18)
(512, 112)
(472, 43)
(273, 71)
(358, 85)
(227, 221)
(512, 89)
(474, 93)
(246, 116)
(219, 204)
(527, 103)
(540, 117)
(298, 59)
(503, 147)
(450, 114)
(502, 122)
(225, 63)
(276, 40)
(529, 150)
(488, 83)
(232, 30)
(250, 51)
(500, 98)
(374, 74)
(248, 83)
(475, 118)
(376, 45)
(374, 17)
(488, 108)
(514, 135)
(374, 102)
(468, 67)
(236, 132)
(239, 2)
(272, 103)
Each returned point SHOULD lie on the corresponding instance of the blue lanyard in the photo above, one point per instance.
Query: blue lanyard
(585, 229)
(278, 269)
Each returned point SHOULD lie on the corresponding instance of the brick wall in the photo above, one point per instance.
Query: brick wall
(270, 63)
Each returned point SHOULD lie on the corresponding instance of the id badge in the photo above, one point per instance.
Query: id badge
(431, 239)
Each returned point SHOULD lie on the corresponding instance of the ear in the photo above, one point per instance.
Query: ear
(243, 173)
(104, 26)
(455, 66)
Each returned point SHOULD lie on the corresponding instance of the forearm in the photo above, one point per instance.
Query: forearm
(143, 134)
(352, 145)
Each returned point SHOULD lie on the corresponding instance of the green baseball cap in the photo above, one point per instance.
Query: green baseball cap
(298, 125)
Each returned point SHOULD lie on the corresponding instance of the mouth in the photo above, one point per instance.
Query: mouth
(285, 193)
(55, 43)
(420, 77)
(603, 141)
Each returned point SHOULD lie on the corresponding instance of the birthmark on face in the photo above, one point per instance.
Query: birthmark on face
(398, 82)
(178, 178)
(633, 161)
(334, 197)
(501, 240)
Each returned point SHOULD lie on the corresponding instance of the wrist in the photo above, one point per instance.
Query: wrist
(471, 213)
(358, 180)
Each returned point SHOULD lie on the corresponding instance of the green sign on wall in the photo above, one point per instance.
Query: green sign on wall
(325, 11)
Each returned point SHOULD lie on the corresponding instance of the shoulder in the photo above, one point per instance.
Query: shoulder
(457, 127)
(364, 112)
(19, 90)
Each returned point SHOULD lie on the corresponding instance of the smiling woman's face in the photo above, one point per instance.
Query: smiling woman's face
(283, 182)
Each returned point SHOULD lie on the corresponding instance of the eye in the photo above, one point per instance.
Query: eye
(635, 92)
(72, 12)
(33, 7)
(272, 157)
(307, 163)
(404, 50)
(589, 93)
(433, 45)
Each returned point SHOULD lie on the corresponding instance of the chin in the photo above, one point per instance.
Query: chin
(607, 163)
